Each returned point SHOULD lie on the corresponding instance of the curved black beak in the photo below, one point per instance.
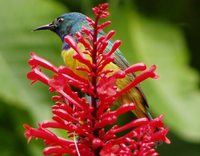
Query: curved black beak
(46, 27)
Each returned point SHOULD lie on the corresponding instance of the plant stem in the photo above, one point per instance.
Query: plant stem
(94, 62)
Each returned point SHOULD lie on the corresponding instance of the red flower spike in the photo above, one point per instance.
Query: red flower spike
(85, 117)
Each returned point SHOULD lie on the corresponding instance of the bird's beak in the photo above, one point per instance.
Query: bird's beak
(46, 27)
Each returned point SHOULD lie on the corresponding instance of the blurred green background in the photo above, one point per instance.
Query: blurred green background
(165, 33)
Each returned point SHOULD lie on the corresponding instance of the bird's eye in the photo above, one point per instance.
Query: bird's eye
(60, 20)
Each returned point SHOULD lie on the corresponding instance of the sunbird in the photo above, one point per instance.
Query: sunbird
(70, 24)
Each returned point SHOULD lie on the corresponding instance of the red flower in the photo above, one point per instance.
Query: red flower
(84, 121)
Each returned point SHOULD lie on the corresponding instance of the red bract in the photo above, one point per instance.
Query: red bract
(85, 118)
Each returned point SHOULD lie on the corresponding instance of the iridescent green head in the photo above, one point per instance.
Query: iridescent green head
(67, 24)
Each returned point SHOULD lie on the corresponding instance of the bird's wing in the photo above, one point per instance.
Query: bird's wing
(121, 61)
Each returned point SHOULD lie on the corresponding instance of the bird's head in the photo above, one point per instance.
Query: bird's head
(67, 24)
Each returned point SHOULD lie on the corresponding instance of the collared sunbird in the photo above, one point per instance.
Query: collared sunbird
(70, 24)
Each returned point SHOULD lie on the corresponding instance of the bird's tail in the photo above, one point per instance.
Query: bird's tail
(136, 96)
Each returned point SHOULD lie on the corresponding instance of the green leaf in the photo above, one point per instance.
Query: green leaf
(175, 94)
(17, 40)
(24, 103)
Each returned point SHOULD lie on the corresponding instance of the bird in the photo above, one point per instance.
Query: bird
(70, 24)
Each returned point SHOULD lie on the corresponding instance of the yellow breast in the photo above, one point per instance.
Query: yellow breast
(73, 63)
